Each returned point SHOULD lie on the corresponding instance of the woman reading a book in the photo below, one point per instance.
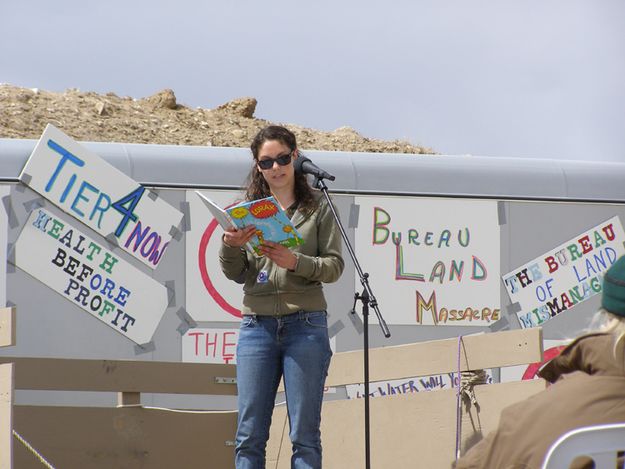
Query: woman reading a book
(283, 333)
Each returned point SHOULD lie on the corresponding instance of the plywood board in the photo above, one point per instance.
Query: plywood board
(278, 438)
(122, 376)
(479, 351)
(129, 438)
(411, 430)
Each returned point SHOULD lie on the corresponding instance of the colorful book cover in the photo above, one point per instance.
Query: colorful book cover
(265, 214)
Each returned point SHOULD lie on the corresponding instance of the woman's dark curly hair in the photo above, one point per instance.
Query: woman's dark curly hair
(257, 187)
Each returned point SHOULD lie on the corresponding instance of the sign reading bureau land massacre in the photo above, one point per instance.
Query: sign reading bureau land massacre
(88, 188)
(434, 261)
(90, 276)
(566, 275)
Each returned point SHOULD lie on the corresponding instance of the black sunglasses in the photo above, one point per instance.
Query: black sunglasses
(281, 160)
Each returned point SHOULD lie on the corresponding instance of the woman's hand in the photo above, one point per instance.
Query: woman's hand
(238, 238)
(279, 254)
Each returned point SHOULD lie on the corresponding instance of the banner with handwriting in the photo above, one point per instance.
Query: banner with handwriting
(410, 385)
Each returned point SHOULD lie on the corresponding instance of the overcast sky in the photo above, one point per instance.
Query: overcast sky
(525, 78)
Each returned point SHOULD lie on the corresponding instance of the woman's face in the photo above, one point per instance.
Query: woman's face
(277, 176)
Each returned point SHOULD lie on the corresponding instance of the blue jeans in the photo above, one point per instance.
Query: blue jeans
(297, 347)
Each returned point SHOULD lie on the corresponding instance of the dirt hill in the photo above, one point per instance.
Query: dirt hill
(159, 119)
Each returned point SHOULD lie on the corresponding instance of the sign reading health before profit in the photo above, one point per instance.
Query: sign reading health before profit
(88, 188)
(90, 276)
(566, 275)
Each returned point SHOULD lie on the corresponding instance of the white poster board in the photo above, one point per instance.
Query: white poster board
(210, 295)
(87, 274)
(431, 261)
(565, 276)
(91, 190)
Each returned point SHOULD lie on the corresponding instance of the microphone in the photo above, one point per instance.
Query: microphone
(303, 165)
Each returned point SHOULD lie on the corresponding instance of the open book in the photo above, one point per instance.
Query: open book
(265, 214)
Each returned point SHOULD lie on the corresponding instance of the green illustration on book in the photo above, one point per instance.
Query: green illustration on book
(266, 215)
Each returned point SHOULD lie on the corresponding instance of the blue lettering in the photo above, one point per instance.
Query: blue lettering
(66, 156)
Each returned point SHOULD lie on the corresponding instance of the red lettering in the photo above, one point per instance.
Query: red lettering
(566, 303)
(584, 242)
(227, 355)
(209, 344)
(552, 264)
(197, 341)
(609, 231)
(263, 209)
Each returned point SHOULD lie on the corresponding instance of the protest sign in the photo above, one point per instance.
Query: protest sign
(433, 261)
(99, 195)
(565, 276)
(90, 276)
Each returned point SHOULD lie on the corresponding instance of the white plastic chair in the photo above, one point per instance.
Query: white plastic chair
(599, 442)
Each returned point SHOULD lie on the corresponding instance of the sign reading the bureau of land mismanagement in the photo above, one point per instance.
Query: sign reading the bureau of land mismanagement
(90, 276)
(565, 276)
(91, 190)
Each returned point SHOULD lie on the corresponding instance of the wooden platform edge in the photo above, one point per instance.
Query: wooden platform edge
(478, 351)
(67, 374)
(6, 416)
(7, 326)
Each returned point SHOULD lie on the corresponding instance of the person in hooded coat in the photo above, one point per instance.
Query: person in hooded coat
(586, 387)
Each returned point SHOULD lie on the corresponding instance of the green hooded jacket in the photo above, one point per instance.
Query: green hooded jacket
(270, 290)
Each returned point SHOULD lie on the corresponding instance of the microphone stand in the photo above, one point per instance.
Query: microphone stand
(368, 300)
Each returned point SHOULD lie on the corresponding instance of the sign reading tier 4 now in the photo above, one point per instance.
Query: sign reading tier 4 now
(90, 276)
(88, 188)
